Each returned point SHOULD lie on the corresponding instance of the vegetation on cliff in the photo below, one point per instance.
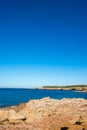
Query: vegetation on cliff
(68, 86)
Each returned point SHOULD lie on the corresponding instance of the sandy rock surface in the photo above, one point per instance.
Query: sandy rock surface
(46, 114)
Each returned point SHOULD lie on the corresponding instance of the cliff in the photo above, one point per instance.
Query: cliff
(82, 88)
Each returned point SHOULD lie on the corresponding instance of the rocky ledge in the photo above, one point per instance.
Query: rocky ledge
(46, 114)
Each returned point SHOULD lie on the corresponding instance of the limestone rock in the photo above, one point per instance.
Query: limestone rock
(47, 114)
(15, 117)
(3, 115)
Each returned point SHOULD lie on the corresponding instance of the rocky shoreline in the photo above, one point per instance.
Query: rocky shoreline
(46, 114)
(82, 89)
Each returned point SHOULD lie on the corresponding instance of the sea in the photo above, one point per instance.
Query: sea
(12, 97)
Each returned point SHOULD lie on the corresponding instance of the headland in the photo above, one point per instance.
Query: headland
(82, 88)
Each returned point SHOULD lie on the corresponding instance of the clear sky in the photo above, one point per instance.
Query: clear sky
(43, 42)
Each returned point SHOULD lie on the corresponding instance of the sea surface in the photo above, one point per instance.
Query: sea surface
(12, 97)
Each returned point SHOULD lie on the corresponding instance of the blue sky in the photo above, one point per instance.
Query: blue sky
(43, 42)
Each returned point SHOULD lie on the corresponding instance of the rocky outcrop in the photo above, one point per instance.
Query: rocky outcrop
(46, 114)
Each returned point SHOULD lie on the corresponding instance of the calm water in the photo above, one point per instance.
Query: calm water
(9, 97)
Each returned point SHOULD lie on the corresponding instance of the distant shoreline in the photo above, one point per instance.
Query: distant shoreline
(82, 88)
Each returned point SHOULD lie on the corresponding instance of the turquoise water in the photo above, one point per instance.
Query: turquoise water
(10, 97)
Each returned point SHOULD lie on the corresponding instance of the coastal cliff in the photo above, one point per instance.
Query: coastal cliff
(46, 114)
(82, 88)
